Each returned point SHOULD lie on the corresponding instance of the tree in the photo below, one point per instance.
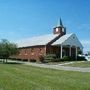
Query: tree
(7, 49)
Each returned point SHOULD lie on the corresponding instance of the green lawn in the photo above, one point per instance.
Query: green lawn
(22, 77)
(85, 64)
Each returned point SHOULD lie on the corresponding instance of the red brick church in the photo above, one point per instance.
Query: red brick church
(59, 43)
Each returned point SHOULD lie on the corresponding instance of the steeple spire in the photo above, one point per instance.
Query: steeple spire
(59, 29)
(60, 23)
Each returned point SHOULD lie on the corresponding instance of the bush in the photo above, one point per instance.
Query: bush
(56, 60)
(49, 57)
(67, 58)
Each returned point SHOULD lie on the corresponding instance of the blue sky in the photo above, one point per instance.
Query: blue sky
(21, 19)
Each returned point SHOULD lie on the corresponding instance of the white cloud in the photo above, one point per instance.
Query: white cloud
(86, 44)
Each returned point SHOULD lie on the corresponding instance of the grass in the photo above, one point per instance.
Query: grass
(22, 77)
(85, 64)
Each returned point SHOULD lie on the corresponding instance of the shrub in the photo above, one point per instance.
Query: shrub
(67, 58)
(56, 60)
(49, 57)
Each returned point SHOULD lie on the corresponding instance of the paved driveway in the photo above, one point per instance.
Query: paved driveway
(58, 66)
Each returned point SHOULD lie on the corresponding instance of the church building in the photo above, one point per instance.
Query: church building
(59, 43)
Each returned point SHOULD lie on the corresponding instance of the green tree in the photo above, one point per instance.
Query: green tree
(7, 49)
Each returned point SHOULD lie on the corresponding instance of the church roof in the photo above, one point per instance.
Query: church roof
(38, 40)
(68, 39)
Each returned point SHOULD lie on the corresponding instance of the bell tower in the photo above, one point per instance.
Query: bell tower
(59, 29)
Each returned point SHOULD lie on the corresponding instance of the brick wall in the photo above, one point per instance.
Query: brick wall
(30, 53)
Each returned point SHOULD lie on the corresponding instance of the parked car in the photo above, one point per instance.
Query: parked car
(86, 56)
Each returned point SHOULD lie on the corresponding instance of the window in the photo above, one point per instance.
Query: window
(32, 49)
(19, 53)
(56, 29)
(25, 52)
(62, 29)
(40, 49)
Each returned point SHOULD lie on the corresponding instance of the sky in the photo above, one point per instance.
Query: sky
(20, 19)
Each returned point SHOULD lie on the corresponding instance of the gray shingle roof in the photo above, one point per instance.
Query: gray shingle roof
(38, 40)
(62, 39)
(68, 39)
